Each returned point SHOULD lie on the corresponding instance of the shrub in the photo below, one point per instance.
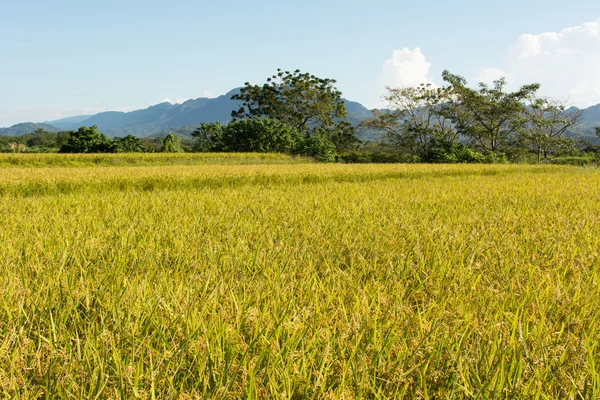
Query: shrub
(317, 145)
(260, 135)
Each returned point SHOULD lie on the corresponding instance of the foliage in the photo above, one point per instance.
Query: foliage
(297, 99)
(87, 140)
(129, 144)
(489, 117)
(171, 144)
(547, 123)
(413, 118)
(342, 135)
(265, 135)
(209, 137)
(318, 145)
(261, 135)
(577, 161)
(378, 157)
(448, 151)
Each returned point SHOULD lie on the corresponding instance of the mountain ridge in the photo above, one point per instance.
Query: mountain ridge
(164, 116)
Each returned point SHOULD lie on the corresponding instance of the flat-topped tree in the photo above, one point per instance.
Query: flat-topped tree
(298, 99)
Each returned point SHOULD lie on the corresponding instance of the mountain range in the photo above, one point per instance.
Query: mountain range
(185, 116)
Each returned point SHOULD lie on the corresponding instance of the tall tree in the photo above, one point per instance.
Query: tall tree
(547, 121)
(261, 135)
(413, 118)
(489, 116)
(171, 144)
(298, 99)
(87, 140)
(210, 137)
(129, 144)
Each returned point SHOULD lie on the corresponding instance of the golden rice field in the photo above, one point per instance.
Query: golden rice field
(293, 281)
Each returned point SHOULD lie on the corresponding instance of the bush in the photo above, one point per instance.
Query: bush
(378, 158)
(449, 152)
(317, 145)
(129, 144)
(577, 161)
(495, 158)
(259, 135)
(88, 140)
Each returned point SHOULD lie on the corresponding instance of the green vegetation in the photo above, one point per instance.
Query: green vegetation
(296, 281)
(146, 159)
(171, 144)
(298, 113)
(265, 135)
(297, 99)
(456, 123)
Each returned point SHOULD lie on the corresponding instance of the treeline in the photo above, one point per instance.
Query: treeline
(455, 123)
(90, 140)
(299, 113)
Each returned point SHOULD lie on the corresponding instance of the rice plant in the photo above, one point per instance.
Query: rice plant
(299, 281)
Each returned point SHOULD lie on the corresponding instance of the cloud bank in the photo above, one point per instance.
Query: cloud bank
(565, 63)
(406, 68)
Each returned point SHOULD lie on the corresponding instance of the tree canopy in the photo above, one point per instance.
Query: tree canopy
(297, 99)
(489, 117)
(87, 140)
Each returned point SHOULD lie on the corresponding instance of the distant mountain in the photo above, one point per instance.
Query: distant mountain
(156, 119)
(592, 114)
(159, 118)
(25, 128)
(586, 129)
(67, 123)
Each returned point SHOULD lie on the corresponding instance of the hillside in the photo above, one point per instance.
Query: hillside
(160, 117)
(164, 116)
(25, 128)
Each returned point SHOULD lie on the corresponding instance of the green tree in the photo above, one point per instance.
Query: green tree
(209, 137)
(129, 144)
(87, 140)
(413, 119)
(547, 121)
(171, 144)
(318, 145)
(263, 135)
(300, 100)
(342, 136)
(489, 116)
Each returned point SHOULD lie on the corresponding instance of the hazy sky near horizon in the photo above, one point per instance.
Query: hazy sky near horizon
(60, 58)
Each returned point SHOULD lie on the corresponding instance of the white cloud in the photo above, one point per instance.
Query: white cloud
(183, 99)
(565, 63)
(406, 68)
(176, 100)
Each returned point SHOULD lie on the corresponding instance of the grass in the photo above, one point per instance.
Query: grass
(8, 160)
(300, 281)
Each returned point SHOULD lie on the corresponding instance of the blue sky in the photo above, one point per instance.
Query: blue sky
(60, 58)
